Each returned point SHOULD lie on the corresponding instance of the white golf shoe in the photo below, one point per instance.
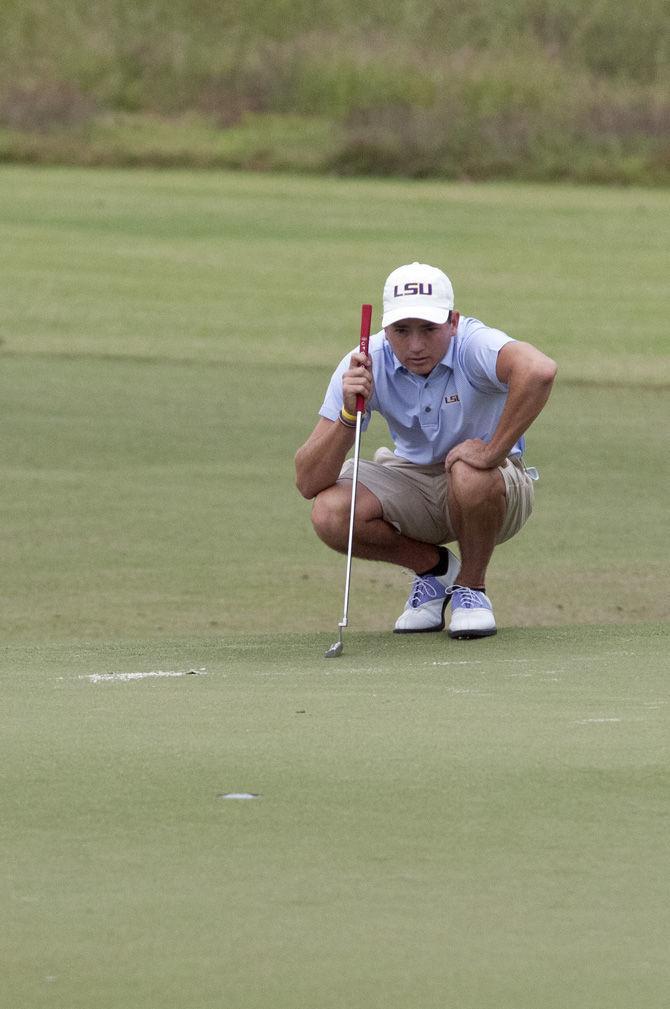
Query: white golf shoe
(427, 601)
(471, 614)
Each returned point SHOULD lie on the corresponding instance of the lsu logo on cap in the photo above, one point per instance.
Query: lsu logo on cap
(412, 288)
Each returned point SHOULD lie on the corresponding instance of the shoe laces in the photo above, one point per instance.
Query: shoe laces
(422, 589)
(469, 599)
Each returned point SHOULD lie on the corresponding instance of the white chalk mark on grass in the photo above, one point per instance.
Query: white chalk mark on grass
(596, 721)
(469, 691)
(153, 674)
(459, 662)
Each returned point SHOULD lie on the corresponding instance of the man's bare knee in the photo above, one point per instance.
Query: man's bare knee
(330, 516)
(473, 487)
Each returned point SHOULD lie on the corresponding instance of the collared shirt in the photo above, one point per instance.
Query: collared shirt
(428, 415)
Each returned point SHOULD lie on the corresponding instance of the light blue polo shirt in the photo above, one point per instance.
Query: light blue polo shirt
(428, 415)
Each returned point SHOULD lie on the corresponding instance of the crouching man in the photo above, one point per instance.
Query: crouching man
(458, 398)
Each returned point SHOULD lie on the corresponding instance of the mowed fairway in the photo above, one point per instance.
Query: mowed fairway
(436, 823)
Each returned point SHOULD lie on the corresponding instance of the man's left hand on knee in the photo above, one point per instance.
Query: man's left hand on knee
(474, 452)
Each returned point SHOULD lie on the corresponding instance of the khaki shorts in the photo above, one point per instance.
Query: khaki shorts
(414, 498)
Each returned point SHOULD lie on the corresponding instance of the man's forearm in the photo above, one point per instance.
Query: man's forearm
(319, 461)
(527, 396)
(529, 384)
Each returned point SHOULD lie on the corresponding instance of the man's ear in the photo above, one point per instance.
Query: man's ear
(455, 318)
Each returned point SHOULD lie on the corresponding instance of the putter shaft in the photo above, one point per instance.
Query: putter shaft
(352, 516)
(336, 649)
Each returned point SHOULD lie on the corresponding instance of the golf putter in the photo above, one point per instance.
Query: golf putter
(336, 648)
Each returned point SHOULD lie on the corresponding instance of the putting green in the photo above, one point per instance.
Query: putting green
(467, 824)
(477, 824)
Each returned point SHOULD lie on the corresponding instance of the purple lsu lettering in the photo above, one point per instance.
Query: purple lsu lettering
(411, 288)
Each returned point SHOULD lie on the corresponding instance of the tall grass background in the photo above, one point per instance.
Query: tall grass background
(537, 89)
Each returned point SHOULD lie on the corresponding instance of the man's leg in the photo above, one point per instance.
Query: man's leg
(477, 506)
(374, 538)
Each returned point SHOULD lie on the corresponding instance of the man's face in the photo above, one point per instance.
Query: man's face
(419, 345)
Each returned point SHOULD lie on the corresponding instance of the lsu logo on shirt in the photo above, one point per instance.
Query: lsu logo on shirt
(454, 398)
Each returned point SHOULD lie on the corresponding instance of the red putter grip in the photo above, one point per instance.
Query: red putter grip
(366, 322)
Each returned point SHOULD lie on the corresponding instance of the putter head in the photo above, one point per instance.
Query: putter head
(334, 650)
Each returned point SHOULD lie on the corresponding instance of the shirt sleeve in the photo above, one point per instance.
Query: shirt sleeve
(478, 354)
(332, 404)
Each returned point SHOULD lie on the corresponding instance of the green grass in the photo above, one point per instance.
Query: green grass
(259, 142)
(475, 825)
(441, 823)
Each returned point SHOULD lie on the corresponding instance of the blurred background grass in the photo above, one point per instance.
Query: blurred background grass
(533, 89)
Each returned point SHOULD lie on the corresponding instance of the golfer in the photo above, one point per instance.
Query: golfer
(458, 398)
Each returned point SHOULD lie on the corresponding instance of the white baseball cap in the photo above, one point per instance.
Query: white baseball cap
(417, 291)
